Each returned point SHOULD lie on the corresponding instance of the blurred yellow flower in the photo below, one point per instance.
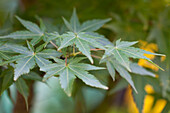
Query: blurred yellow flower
(148, 101)
(148, 47)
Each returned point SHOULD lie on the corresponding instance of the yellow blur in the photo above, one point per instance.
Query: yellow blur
(148, 101)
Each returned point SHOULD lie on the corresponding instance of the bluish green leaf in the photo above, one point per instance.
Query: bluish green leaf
(24, 66)
(66, 80)
(74, 21)
(93, 25)
(30, 26)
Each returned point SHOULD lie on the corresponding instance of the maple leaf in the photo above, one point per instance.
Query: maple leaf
(68, 73)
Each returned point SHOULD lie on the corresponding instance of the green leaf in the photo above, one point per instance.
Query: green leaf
(123, 73)
(19, 49)
(140, 83)
(23, 88)
(70, 71)
(74, 21)
(121, 84)
(28, 58)
(24, 66)
(93, 25)
(12, 59)
(68, 39)
(31, 48)
(122, 44)
(22, 35)
(52, 36)
(32, 76)
(35, 41)
(120, 56)
(48, 53)
(111, 69)
(41, 61)
(85, 66)
(66, 80)
(139, 54)
(87, 78)
(74, 60)
(30, 26)
(135, 68)
(122, 52)
(7, 79)
(84, 48)
(68, 24)
(4, 56)
(42, 25)
(82, 41)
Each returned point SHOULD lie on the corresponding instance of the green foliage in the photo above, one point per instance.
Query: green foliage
(60, 55)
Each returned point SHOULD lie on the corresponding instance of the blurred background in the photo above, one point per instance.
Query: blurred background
(147, 21)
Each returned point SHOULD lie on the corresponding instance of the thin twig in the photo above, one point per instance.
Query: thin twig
(96, 56)
(96, 49)
(66, 61)
(74, 49)
(54, 44)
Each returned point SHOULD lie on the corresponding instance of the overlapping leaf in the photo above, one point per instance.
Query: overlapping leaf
(68, 73)
(112, 65)
(33, 32)
(122, 52)
(79, 35)
(82, 41)
(28, 58)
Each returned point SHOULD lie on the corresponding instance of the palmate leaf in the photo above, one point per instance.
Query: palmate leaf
(74, 21)
(22, 35)
(112, 64)
(30, 26)
(34, 32)
(23, 66)
(68, 73)
(79, 35)
(28, 58)
(88, 26)
(82, 41)
(4, 52)
(122, 52)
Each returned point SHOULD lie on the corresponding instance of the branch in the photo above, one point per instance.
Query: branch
(54, 44)
(98, 57)
(96, 49)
